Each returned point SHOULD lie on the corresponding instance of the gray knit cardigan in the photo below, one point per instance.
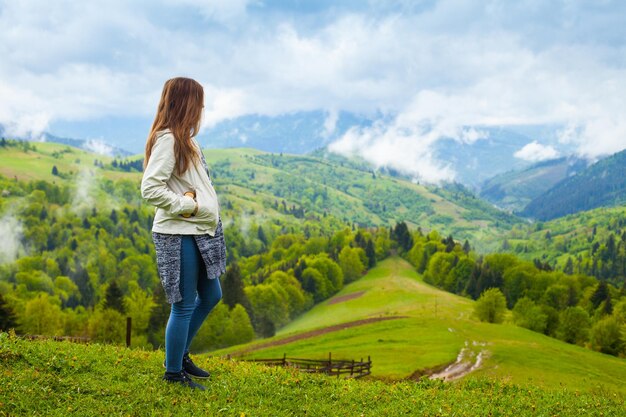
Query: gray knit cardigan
(212, 249)
(168, 247)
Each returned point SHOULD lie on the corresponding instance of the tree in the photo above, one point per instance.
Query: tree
(158, 318)
(491, 306)
(42, 315)
(7, 315)
(233, 288)
(107, 326)
(329, 269)
(240, 329)
(138, 305)
(402, 235)
(114, 298)
(517, 282)
(293, 293)
(529, 315)
(573, 325)
(64, 288)
(316, 284)
(569, 266)
(261, 235)
(270, 308)
(556, 296)
(460, 275)
(600, 294)
(214, 331)
(350, 263)
(606, 336)
(371, 253)
(113, 216)
(439, 267)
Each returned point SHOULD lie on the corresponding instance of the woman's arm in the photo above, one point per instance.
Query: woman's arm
(159, 170)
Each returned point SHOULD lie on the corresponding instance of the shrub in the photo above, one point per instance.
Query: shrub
(491, 306)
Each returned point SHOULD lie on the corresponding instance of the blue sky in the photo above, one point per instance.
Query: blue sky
(95, 69)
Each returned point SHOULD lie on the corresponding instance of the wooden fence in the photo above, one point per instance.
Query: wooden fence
(77, 339)
(330, 366)
(74, 339)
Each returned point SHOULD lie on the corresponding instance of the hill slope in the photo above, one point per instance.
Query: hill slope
(256, 183)
(591, 241)
(601, 185)
(431, 329)
(513, 190)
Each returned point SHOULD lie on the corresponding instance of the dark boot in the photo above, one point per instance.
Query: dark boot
(192, 369)
(182, 378)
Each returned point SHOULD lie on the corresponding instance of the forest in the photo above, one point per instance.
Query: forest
(85, 269)
(573, 307)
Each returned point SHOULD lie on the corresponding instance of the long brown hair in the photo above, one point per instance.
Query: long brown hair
(180, 110)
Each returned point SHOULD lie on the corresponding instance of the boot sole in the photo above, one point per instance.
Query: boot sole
(195, 376)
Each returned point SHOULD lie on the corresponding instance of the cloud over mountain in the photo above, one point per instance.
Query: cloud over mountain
(423, 68)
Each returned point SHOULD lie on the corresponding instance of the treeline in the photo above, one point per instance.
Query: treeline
(24, 145)
(83, 268)
(575, 308)
(591, 243)
(121, 165)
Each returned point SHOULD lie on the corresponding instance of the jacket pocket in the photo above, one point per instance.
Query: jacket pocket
(207, 207)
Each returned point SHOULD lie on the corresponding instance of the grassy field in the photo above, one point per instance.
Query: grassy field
(37, 165)
(437, 326)
(47, 378)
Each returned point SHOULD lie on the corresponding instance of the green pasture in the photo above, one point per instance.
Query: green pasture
(47, 378)
(438, 326)
(37, 164)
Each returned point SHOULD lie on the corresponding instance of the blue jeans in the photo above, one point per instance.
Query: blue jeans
(200, 295)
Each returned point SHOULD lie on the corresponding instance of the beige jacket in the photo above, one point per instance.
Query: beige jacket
(163, 188)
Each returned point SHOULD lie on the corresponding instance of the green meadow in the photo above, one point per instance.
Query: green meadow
(47, 378)
(437, 325)
(37, 164)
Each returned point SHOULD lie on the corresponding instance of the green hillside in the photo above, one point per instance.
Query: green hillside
(513, 190)
(603, 184)
(257, 183)
(591, 242)
(430, 330)
(35, 160)
(48, 378)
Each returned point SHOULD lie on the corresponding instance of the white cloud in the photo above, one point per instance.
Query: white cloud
(11, 232)
(99, 147)
(222, 104)
(535, 152)
(432, 69)
(405, 147)
(330, 123)
(219, 10)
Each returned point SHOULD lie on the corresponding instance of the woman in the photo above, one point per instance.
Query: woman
(187, 229)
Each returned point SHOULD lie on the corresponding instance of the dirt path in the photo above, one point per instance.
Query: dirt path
(346, 297)
(317, 332)
(467, 361)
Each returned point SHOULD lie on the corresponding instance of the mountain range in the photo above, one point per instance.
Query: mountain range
(515, 189)
(603, 184)
(493, 152)
(490, 165)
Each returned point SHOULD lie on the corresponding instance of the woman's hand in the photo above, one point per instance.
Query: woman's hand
(191, 194)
